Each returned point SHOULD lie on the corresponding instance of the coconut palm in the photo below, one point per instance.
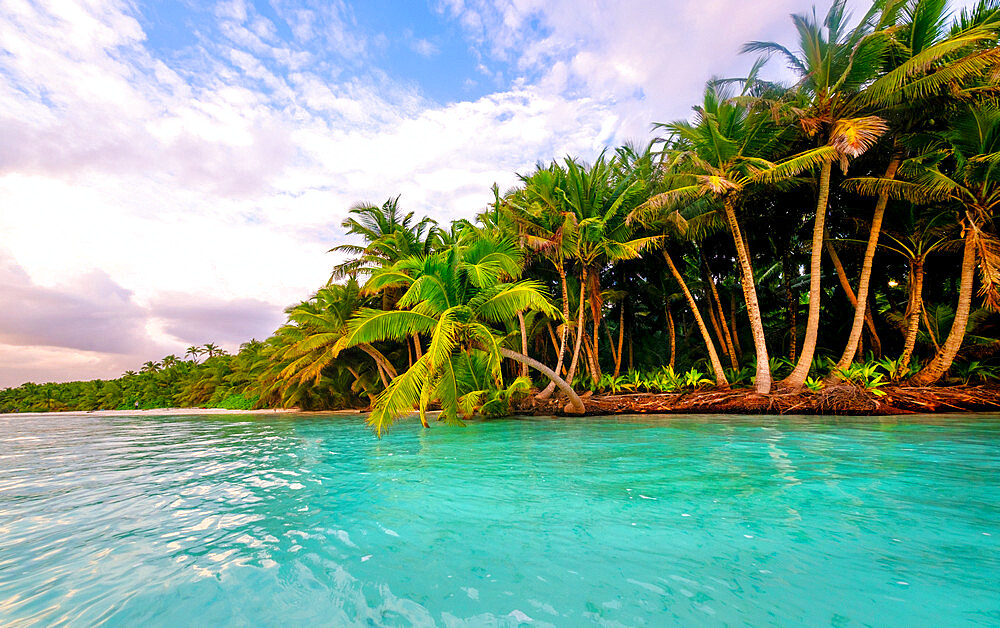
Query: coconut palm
(925, 65)
(388, 234)
(834, 63)
(456, 297)
(915, 236)
(971, 146)
(718, 159)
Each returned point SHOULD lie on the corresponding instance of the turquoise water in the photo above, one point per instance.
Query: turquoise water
(309, 520)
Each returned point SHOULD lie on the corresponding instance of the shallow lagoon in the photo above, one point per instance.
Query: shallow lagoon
(282, 519)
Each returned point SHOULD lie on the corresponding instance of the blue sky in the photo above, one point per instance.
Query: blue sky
(175, 172)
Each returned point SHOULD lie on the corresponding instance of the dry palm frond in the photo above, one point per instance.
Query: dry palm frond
(854, 136)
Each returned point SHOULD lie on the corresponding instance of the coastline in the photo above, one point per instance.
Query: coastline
(833, 400)
(151, 412)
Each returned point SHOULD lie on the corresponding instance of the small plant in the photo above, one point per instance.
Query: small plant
(975, 370)
(739, 378)
(695, 379)
(866, 376)
(814, 384)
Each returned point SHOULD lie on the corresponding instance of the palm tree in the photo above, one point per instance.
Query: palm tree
(833, 67)
(388, 234)
(972, 147)
(546, 227)
(194, 352)
(925, 65)
(212, 350)
(323, 324)
(455, 296)
(600, 202)
(917, 236)
(717, 160)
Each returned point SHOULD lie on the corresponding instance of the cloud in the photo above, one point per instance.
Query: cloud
(195, 320)
(424, 48)
(93, 313)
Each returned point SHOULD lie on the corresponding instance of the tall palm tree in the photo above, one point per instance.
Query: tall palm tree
(926, 64)
(917, 234)
(718, 159)
(600, 201)
(834, 63)
(456, 297)
(971, 146)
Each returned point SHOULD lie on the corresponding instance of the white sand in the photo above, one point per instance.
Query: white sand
(155, 412)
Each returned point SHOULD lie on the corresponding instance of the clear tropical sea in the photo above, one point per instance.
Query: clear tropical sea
(308, 520)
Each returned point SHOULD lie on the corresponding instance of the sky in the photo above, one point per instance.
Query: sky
(174, 172)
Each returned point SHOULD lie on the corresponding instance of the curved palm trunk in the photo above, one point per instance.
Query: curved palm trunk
(913, 312)
(861, 309)
(580, 331)
(575, 405)
(845, 284)
(621, 339)
(673, 334)
(793, 305)
(524, 342)
(380, 360)
(547, 392)
(713, 357)
(763, 381)
(944, 357)
(798, 375)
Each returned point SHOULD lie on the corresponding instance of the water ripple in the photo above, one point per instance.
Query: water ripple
(618, 521)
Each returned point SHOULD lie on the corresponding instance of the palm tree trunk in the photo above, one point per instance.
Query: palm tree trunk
(575, 405)
(580, 331)
(380, 360)
(524, 342)
(419, 351)
(944, 357)
(732, 325)
(621, 338)
(763, 382)
(595, 296)
(846, 287)
(727, 338)
(713, 357)
(672, 331)
(793, 305)
(545, 394)
(861, 309)
(914, 308)
(797, 377)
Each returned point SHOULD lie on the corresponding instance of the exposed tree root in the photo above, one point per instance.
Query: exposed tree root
(839, 399)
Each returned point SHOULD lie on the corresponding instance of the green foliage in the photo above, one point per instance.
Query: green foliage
(866, 376)
(975, 371)
(814, 385)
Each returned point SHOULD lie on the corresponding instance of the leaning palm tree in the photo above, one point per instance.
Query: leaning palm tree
(456, 297)
(926, 65)
(719, 158)
(834, 63)
(323, 321)
(915, 236)
(972, 148)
